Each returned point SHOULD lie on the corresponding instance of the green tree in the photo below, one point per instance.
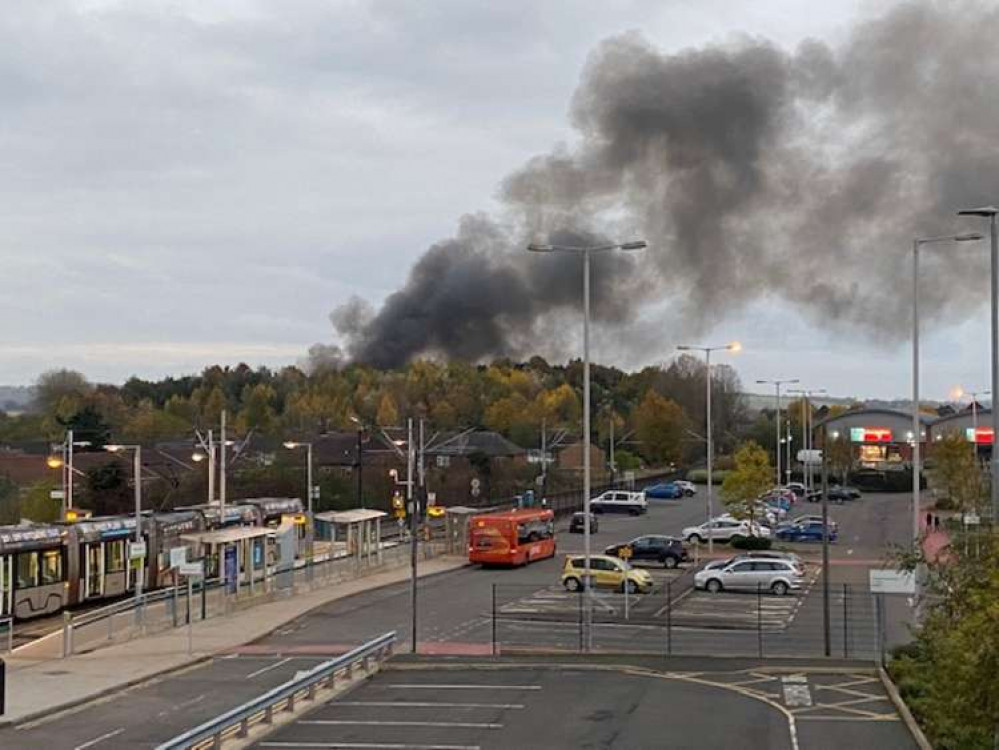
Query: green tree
(743, 485)
(38, 505)
(58, 390)
(147, 424)
(956, 473)
(88, 424)
(107, 490)
(840, 457)
(258, 408)
(660, 428)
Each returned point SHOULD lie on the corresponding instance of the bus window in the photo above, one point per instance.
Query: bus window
(27, 570)
(51, 566)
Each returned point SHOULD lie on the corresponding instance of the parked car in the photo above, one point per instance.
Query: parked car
(797, 488)
(689, 488)
(655, 548)
(790, 557)
(605, 572)
(804, 532)
(577, 524)
(619, 501)
(809, 518)
(777, 576)
(837, 494)
(664, 491)
(723, 529)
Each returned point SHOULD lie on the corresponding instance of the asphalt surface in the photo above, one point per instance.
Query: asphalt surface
(454, 617)
(554, 707)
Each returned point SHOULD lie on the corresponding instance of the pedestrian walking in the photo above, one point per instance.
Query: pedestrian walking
(929, 521)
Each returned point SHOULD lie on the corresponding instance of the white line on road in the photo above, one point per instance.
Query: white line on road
(103, 737)
(367, 746)
(390, 723)
(268, 668)
(428, 704)
(179, 706)
(435, 686)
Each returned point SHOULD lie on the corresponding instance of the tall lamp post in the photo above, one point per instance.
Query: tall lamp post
(586, 252)
(360, 461)
(310, 533)
(990, 213)
(777, 384)
(806, 429)
(735, 346)
(64, 461)
(916, 426)
(137, 472)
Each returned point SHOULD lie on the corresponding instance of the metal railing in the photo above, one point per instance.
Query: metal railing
(237, 722)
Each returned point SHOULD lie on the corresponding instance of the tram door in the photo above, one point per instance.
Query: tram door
(6, 584)
(93, 570)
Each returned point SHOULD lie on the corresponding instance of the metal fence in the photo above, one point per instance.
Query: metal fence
(236, 723)
(161, 610)
(676, 619)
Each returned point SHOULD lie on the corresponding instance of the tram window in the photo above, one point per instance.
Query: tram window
(114, 557)
(27, 570)
(51, 566)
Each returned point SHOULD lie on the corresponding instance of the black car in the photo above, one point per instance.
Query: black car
(837, 494)
(665, 550)
(578, 523)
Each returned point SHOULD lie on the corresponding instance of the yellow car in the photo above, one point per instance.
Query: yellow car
(605, 572)
(435, 511)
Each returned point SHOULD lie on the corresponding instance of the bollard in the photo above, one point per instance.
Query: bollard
(67, 634)
(111, 626)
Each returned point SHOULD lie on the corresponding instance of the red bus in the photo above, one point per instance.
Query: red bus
(513, 537)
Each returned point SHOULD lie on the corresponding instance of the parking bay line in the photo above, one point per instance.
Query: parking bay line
(96, 740)
(400, 723)
(435, 686)
(428, 704)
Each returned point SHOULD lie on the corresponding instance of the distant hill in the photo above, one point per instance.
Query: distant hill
(14, 398)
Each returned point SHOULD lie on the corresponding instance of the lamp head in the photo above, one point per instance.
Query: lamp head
(290, 444)
(114, 448)
(981, 211)
(198, 457)
(536, 247)
(734, 347)
(968, 237)
(54, 462)
(636, 245)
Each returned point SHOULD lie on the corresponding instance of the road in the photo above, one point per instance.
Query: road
(454, 617)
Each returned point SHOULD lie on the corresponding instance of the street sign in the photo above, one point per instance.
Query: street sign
(431, 498)
(57, 495)
(178, 556)
(810, 457)
(315, 492)
(476, 487)
(891, 581)
(971, 519)
(191, 569)
(136, 550)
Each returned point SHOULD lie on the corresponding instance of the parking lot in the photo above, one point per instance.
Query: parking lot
(498, 704)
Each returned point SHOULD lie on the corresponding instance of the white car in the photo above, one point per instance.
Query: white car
(723, 529)
(777, 576)
(619, 501)
(689, 488)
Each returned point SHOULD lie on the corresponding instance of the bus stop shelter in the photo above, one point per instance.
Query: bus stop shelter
(456, 527)
(236, 555)
(357, 531)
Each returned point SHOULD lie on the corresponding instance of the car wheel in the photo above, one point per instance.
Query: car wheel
(632, 587)
(572, 584)
(695, 539)
(780, 588)
(688, 493)
(736, 538)
(670, 562)
(713, 586)
(634, 512)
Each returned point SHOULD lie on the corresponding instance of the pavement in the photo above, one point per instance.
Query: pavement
(501, 703)
(37, 687)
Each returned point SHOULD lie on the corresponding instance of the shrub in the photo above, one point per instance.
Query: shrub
(700, 476)
(751, 543)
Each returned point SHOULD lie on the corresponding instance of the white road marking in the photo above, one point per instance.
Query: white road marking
(428, 704)
(268, 668)
(367, 746)
(103, 737)
(390, 723)
(435, 686)
(796, 693)
(179, 706)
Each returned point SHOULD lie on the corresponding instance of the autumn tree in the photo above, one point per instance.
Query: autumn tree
(744, 484)
(660, 428)
(956, 474)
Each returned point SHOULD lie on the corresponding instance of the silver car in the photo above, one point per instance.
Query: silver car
(790, 557)
(776, 576)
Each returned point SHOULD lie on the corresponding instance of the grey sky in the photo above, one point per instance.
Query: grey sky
(186, 183)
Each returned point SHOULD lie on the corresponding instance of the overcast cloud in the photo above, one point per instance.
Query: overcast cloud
(186, 183)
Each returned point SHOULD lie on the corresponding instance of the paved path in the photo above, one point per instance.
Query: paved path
(35, 687)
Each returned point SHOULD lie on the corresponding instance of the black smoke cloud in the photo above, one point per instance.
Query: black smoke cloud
(753, 172)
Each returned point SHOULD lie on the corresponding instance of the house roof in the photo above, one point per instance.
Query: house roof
(481, 441)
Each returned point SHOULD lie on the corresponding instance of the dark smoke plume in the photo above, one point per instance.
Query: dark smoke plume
(753, 172)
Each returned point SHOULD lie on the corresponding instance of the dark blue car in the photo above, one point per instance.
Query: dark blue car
(804, 532)
(665, 491)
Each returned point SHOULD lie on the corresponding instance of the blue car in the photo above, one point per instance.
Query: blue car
(665, 491)
(804, 532)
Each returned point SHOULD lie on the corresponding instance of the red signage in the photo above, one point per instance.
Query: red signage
(981, 435)
(870, 435)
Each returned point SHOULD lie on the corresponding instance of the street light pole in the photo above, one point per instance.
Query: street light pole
(916, 430)
(806, 431)
(990, 212)
(777, 384)
(586, 252)
(310, 542)
(735, 346)
(137, 472)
